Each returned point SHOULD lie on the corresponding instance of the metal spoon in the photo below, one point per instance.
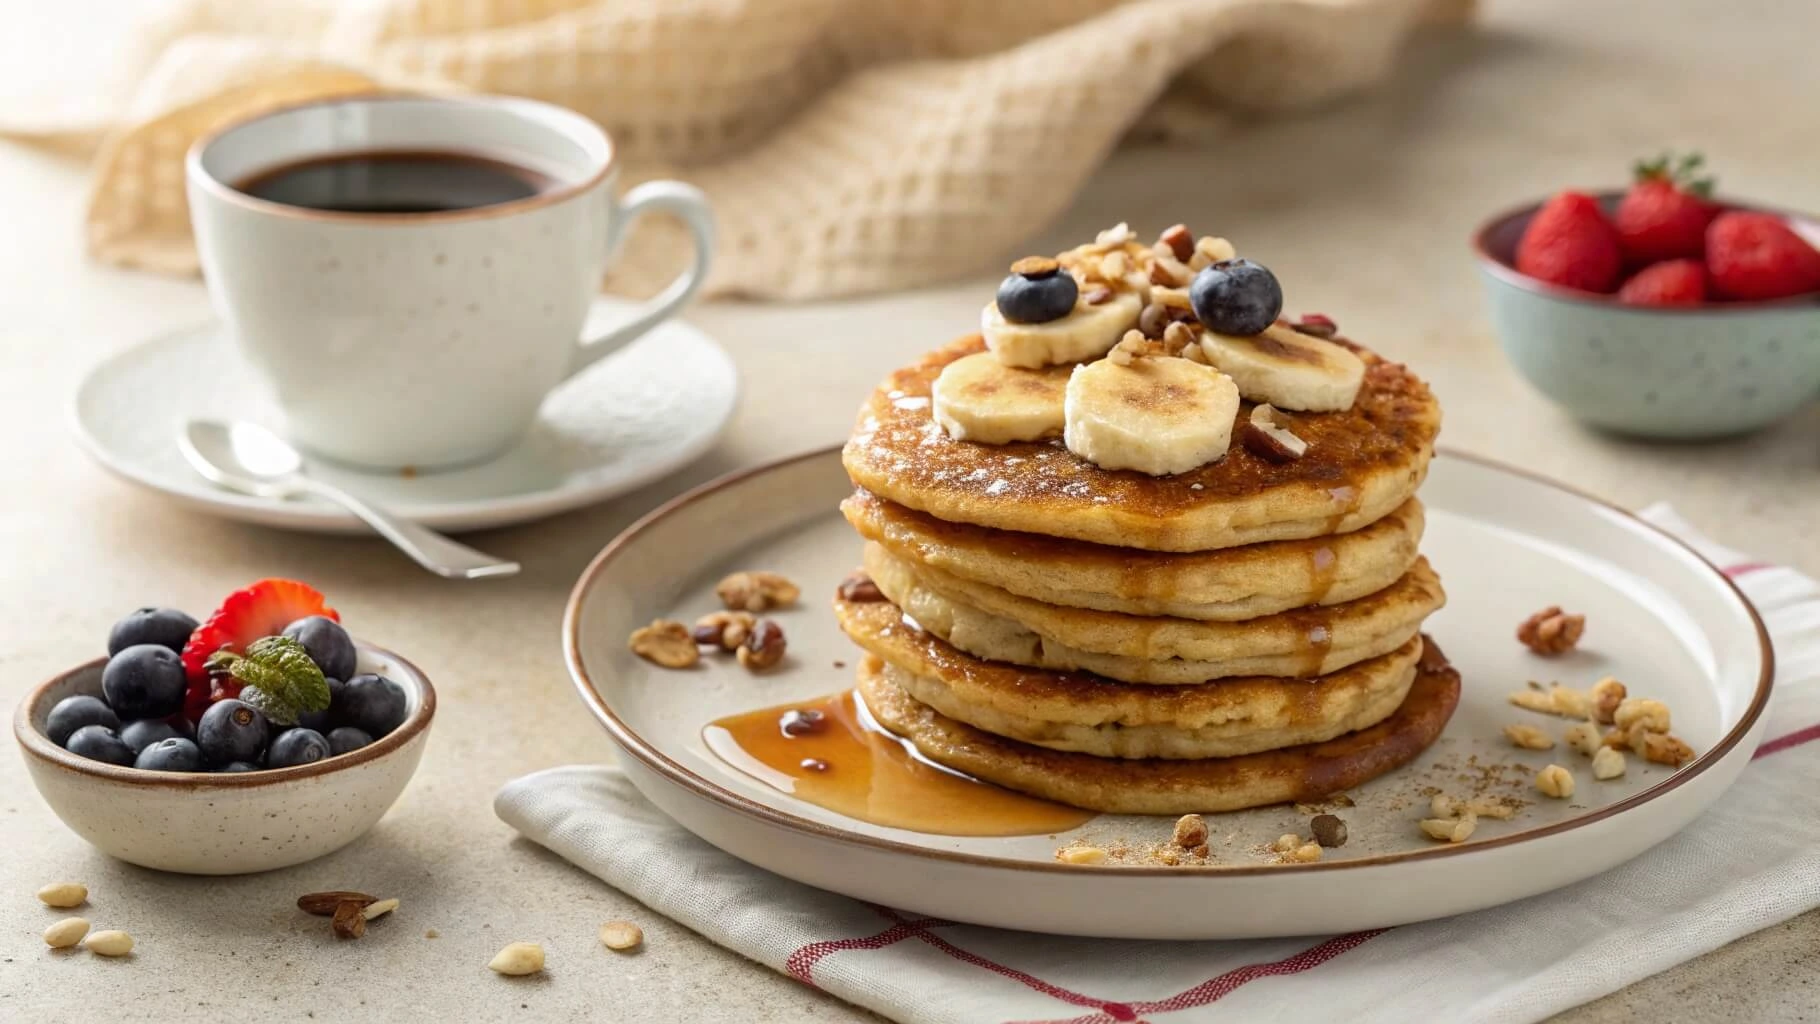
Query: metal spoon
(248, 458)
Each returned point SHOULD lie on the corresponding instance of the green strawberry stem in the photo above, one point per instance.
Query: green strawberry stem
(278, 678)
(1678, 171)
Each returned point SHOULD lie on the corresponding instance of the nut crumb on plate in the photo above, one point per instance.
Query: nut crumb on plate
(1081, 855)
(756, 591)
(1607, 694)
(1328, 830)
(1584, 737)
(1528, 737)
(725, 630)
(1662, 748)
(1555, 781)
(1607, 764)
(1551, 631)
(1307, 853)
(1286, 842)
(1641, 713)
(762, 647)
(1190, 831)
(1453, 830)
(667, 643)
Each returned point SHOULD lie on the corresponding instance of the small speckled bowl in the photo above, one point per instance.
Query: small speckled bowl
(1675, 374)
(214, 824)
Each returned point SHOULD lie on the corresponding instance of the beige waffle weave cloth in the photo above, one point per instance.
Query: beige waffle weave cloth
(847, 145)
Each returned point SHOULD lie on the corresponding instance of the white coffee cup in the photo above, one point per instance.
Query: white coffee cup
(422, 339)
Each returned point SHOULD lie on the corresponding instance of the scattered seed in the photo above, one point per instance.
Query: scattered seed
(431, 933)
(66, 933)
(323, 904)
(63, 895)
(350, 920)
(621, 935)
(379, 909)
(109, 943)
(518, 959)
(1081, 855)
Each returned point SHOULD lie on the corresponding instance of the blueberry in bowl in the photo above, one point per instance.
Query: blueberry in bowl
(232, 749)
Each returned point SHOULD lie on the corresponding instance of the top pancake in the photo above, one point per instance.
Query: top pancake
(1360, 465)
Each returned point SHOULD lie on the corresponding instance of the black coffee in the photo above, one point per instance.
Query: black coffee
(403, 182)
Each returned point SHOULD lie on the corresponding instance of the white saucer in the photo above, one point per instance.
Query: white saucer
(622, 423)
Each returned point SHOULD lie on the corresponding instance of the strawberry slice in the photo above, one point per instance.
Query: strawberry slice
(260, 610)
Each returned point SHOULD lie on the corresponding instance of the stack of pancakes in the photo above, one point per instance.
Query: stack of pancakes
(1245, 633)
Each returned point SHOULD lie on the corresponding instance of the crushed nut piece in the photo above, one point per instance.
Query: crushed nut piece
(350, 920)
(1081, 855)
(1178, 338)
(1453, 830)
(1607, 764)
(1528, 737)
(1533, 700)
(1130, 347)
(667, 643)
(1168, 857)
(1618, 739)
(1664, 749)
(1190, 831)
(379, 909)
(323, 904)
(1607, 694)
(1584, 737)
(756, 592)
(621, 935)
(1115, 265)
(858, 587)
(1551, 631)
(109, 943)
(1178, 240)
(1153, 320)
(1307, 853)
(1097, 295)
(66, 933)
(1209, 250)
(1444, 806)
(1196, 354)
(1316, 325)
(1569, 701)
(725, 630)
(1118, 234)
(1641, 713)
(1200, 851)
(1171, 298)
(1286, 842)
(1035, 266)
(63, 895)
(1266, 434)
(1170, 272)
(1328, 830)
(1555, 781)
(518, 959)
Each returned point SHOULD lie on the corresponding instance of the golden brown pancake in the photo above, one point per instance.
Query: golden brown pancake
(1155, 786)
(1000, 626)
(1361, 464)
(1229, 585)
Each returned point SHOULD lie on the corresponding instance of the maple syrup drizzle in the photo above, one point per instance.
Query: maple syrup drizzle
(851, 765)
(1323, 569)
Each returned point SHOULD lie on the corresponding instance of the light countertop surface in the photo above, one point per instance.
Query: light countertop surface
(1363, 210)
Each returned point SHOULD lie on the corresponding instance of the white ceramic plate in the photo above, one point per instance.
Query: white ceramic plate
(1505, 545)
(622, 423)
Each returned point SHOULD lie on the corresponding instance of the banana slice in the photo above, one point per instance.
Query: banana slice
(1288, 369)
(1086, 333)
(1157, 416)
(978, 398)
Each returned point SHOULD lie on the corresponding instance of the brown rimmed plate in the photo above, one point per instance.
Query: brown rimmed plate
(1506, 544)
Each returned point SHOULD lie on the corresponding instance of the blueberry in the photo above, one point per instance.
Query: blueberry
(1236, 297)
(99, 743)
(144, 681)
(142, 734)
(373, 704)
(238, 766)
(323, 720)
(166, 627)
(173, 755)
(296, 746)
(1037, 291)
(347, 738)
(72, 713)
(329, 646)
(231, 730)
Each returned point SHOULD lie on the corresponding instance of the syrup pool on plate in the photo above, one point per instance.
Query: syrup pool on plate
(830, 752)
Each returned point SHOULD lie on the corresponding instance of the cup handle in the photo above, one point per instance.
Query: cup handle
(688, 204)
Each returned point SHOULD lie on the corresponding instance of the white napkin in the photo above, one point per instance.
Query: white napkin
(1750, 862)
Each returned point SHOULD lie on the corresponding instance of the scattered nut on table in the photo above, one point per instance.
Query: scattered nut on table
(1642, 713)
(1528, 737)
(518, 959)
(1081, 855)
(1190, 831)
(859, 588)
(1555, 781)
(350, 920)
(1607, 694)
(63, 895)
(762, 647)
(756, 592)
(621, 935)
(1551, 631)
(725, 630)
(66, 933)
(109, 943)
(667, 643)
(1664, 749)
(1607, 764)
(1453, 830)
(1584, 737)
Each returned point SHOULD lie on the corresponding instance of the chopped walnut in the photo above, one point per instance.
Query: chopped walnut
(1641, 713)
(757, 591)
(1664, 749)
(1169, 272)
(1607, 764)
(1584, 737)
(1178, 240)
(1528, 737)
(665, 643)
(762, 647)
(1551, 631)
(1190, 831)
(1266, 434)
(1453, 830)
(725, 630)
(1607, 694)
(1081, 855)
(1533, 700)
(1286, 842)
(1555, 781)
(859, 588)
(1328, 830)
(1178, 338)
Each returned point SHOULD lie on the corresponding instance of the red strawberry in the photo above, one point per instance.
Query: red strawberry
(1570, 243)
(1668, 283)
(260, 610)
(1665, 214)
(1757, 256)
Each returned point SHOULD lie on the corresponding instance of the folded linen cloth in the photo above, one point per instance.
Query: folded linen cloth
(847, 145)
(1748, 863)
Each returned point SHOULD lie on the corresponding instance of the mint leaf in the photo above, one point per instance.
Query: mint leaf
(278, 678)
